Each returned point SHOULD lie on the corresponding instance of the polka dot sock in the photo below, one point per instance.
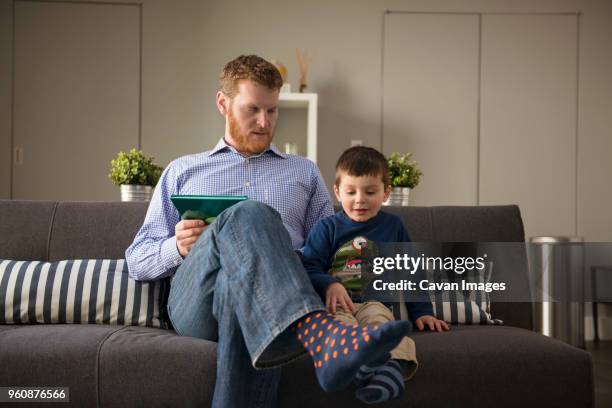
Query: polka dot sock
(387, 383)
(338, 349)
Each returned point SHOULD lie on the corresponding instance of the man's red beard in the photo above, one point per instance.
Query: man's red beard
(246, 142)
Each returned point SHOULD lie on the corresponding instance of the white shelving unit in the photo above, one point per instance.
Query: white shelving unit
(307, 102)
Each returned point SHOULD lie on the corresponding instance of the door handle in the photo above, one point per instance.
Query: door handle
(18, 156)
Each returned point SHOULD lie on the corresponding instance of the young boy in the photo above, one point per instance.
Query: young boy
(332, 256)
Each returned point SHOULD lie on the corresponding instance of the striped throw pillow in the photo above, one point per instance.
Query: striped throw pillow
(79, 291)
(462, 306)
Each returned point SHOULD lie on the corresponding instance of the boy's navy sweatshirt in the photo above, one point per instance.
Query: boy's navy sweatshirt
(333, 235)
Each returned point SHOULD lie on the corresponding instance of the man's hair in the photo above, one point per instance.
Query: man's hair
(252, 68)
(363, 161)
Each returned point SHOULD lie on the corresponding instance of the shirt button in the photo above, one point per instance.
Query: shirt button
(248, 183)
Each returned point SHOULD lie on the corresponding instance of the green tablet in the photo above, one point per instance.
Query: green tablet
(203, 207)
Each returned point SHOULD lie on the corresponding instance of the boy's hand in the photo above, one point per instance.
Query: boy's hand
(187, 233)
(337, 294)
(431, 322)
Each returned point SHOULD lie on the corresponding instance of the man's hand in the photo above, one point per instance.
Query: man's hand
(187, 233)
(336, 293)
(431, 322)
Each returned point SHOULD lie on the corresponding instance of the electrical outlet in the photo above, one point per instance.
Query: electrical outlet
(356, 142)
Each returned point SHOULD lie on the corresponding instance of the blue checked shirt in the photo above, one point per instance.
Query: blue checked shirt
(292, 185)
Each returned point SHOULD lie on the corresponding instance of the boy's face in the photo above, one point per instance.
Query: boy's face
(361, 196)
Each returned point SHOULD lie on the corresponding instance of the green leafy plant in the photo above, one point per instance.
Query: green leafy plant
(134, 168)
(403, 171)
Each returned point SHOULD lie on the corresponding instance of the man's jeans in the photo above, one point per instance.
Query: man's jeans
(242, 285)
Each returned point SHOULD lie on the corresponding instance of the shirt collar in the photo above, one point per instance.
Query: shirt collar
(277, 152)
(222, 146)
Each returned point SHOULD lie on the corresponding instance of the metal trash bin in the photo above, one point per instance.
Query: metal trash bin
(557, 266)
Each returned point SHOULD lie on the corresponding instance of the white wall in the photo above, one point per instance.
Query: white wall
(186, 42)
(185, 49)
(6, 41)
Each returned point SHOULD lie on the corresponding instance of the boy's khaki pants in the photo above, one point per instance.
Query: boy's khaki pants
(377, 313)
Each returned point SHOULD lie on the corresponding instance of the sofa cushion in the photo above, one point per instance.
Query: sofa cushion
(78, 291)
(470, 366)
(145, 367)
(54, 356)
(98, 230)
(462, 306)
(110, 366)
(25, 229)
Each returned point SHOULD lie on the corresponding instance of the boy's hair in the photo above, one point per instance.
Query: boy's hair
(251, 67)
(363, 161)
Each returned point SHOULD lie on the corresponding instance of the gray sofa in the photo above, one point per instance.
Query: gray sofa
(125, 366)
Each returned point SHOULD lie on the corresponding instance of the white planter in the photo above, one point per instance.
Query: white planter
(136, 192)
(399, 197)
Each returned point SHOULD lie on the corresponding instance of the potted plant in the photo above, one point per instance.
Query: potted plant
(405, 175)
(136, 174)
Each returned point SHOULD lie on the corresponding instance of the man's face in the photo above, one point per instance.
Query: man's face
(251, 117)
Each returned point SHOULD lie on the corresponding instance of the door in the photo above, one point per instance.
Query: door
(528, 119)
(77, 96)
(430, 102)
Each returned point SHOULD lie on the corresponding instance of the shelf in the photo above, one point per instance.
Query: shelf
(296, 100)
(300, 105)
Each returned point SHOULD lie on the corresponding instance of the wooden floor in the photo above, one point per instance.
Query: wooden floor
(602, 368)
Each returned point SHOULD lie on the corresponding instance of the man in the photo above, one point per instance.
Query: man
(239, 281)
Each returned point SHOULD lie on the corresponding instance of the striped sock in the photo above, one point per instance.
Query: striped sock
(386, 384)
(366, 373)
(338, 349)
